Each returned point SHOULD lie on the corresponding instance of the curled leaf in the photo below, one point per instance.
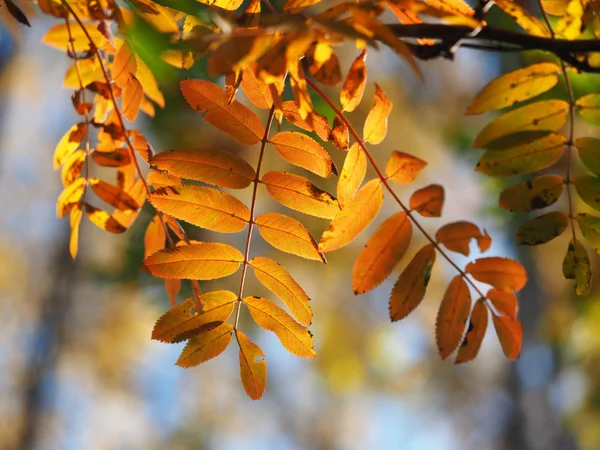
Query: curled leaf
(456, 237)
(471, 343)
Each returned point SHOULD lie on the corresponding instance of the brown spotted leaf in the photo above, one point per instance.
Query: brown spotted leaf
(543, 228)
(576, 266)
(471, 343)
(536, 193)
(354, 85)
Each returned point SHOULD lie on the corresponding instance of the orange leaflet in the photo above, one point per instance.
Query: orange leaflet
(352, 175)
(149, 83)
(69, 197)
(536, 193)
(117, 158)
(456, 237)
(253, 367)
(180, 323)
(452, 316)
(206, 346)
(354, 86)
(200, 261)
(409, 290)
(294, 337)
(323, 64)
(132, 98)
(58, 38)
(235, 119)
(340, 135)
(299, 194)
(72, 167)
(472, 341)
(69, 143)
(382, 253)
(288, 235)
(452, 7)
(155, 236)
(103, 220)
(502, 273)
(303, 151)
(256, 89)
(375, 127)
(403, 168)
(74, 221)
(299, 4)
(510, 335)
(505, 303)
(428, 201)
(123, 65)
(202, 206)
(354, 218)
(172, 287)
(162, 178)
(127, 217)
(215, 167)
(319, 125)
(113, 195)
(280, 282)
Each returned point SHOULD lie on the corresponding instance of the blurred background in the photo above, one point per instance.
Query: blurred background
(78, 368)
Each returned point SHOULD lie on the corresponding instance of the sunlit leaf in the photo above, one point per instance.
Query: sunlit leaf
(543, 228)
(375, 127)
(82, 73)
(69, 143)
(299, 194)
(555, 7)
(352, 175)
(354, 218)
(113, 195)
(456, 237)
(124, 65)
(58, 37)
(294, 337)
(505, 303)
(172, 286)
(403, 168)
(132, 98)
(303, 151)
(104, 220)
(256, 89)
(117, 158)
(340, 136)
(589, 108)
(280, 282)
(576, 266)
(202, 206)
(510, 335)
(155, 236)
(428, 201)
(205, 346)
(589, 153)
(201, 261)
(127, 217)
(149, 83)
(69, 197)
(71, 169)
(74, 222)
(382, 252)
(526, 20)
(354, 85)
(471, 343)
(502, 273)
(588, 188)
(323, 64)
(319, 125)
(536, 193)
(452, 316)
(572, 23)
(253, 367)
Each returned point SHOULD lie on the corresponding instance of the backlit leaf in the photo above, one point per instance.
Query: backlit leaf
(103, 220)
(280, 282)
(548, 115)
(180, 323)
(323, 64)
(354, 85)
(132, 98)
(294, 337)
(72, 167)
(215, 167)
(510, 335)
(502, 273)
(525, 19)
(256, 89)
(543, 228)
(172, 286)
(576, 266)
(68, 144)
(202, 206)
(127, 217)
(403, 168)
(299, 194)
(354, 218)
(452, 316)
(428, 201)
(205, 346)
(475, 332)
(320, 124)
(155, 236)
(505, 303)
(409, 290)
(303, 151)
(340, 135)
(456, 237)
(588, 188)
(589, 108)
(536, 193)
(117, 158)
(201, 261)
(589, 153)
(526, 158)
(124, 65)
(69, 197)
(253, 367)
(352, 175)
(113, 195)
(58, 37)
(235, 119)
(288, 235)
(375, 127)
(74, 222)
(382, 253)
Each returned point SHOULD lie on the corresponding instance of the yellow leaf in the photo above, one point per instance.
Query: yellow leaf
(163, 179)
(340, 135)
(72, 167)
(69, 197)
(74, 222)
(354, 218)
(537, 193)
(132, 98)
(323, 64)
(382, 253)
(555, 7)
(201, 261)
(403, 168)
(543, 228)
(127, 217)
(149, 83)
(588, 150)
(476, 330)
(409, 290)
(548, 115)
(103, 220)
(303, 151)
(576, 266)
(280, 282)
(452, 7)
(528, 22)
(206, 346)
(288, 235)
(510, 335)
(452, 316)
(572, 24)
(428, 201)
(179, 59)
(503, 273)
(89, 71)
(155, 236)
(354, 86)
(235, 119)
(113, 195)
(299, 194)
(456, 237)
(517, 86)
(318, 123)
(253, 367)
(180, 323)
(58, 38)
(68, 144)
(294, 337)
(202, 206)
(117, 158)
(352, 175)
(124, 65)
(229, 5)
(375, 127)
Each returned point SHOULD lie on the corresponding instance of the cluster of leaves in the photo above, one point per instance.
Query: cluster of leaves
(261, 53)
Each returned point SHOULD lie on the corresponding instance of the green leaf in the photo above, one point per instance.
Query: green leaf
(589, 153)
(589, 108)
(537, 193)
(576, 266)
(588, 188)
(542, 229)
(590, 228)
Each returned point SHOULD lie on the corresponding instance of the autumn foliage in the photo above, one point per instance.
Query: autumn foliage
(266, 52)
